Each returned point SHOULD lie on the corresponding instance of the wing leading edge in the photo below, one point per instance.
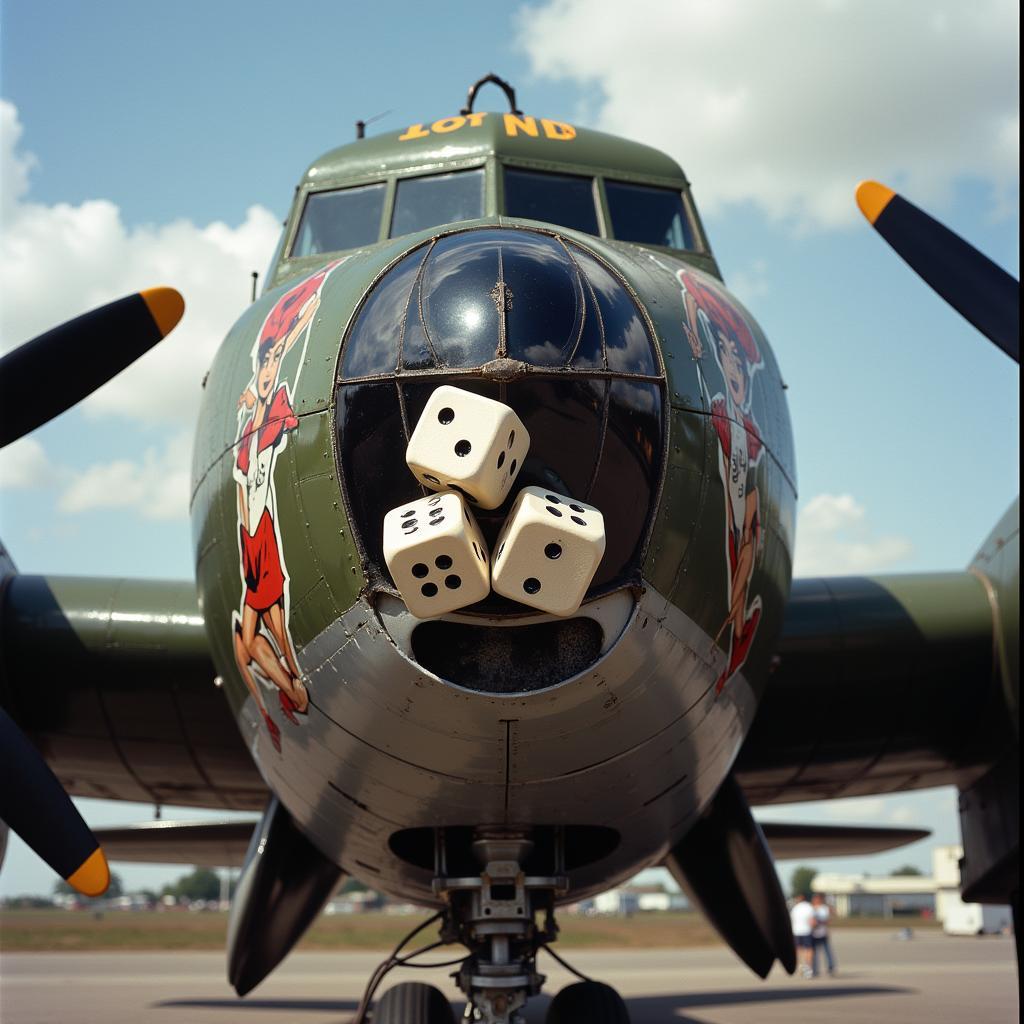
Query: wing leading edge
(883, 684)
(112, 679)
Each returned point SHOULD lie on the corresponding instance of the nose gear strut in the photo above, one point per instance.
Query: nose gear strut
(503, 917)
(495, 916)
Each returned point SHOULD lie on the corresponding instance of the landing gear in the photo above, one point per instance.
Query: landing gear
(412, 1002)
(504, 916)
(494, 915)
(588, 1001)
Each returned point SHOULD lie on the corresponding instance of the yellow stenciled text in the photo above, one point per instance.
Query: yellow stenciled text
(514, 124)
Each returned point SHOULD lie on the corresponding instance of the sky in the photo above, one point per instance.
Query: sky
(145, 143)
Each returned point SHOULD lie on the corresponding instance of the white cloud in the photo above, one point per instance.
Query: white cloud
(789, 104)
(901, 809)
(14, 165)
(61, 260)
(932, 808)
(751, 282)
(915, 808)
(867, 808)
(24, 465)
(833, 537)
(157, 487)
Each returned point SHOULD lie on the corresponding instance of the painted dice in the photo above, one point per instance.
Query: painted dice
(437, 555)
(469, 444)
(548, 551)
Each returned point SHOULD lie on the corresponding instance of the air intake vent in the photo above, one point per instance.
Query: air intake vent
(507, 659)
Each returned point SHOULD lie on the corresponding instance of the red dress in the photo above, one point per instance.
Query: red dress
(261, 559)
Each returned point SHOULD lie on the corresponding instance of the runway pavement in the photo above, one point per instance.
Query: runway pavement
(931, 978)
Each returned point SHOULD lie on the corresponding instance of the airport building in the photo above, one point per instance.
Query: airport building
(936, 894)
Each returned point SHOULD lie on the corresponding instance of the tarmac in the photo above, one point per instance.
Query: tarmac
(880, 979)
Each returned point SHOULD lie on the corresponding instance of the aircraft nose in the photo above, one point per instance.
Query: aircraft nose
(532, 320)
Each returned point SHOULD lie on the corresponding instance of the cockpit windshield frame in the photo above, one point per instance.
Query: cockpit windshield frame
(308, 191)
(493, 166)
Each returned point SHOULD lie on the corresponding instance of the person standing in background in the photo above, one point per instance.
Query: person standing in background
(820, 934)
(801, 917)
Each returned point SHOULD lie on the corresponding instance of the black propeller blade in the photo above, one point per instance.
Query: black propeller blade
(46, 376)
(33, 804)
(40, 380)
(971, 283)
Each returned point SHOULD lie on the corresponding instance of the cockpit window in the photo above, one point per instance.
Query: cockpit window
(343, 219)
(422, 203)
(644, 213)
(555, 198)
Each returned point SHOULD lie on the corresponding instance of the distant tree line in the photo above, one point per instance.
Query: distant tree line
(61, 888)
(199, 884)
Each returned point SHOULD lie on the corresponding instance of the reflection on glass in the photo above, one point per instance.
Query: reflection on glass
(626, 341)
(373, 345)
(422, 203)
(589, 354)
(344, 219)
(459, 313)
(564, 420)
(372, 443)
(473, 296)
(417, 353)
(627, 478)
(543, 299)
(554, 198)
(643, 213)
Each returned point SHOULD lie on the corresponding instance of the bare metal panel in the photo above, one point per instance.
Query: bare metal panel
(639, 741)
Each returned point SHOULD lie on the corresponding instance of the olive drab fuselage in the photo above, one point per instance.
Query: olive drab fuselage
(669, 654)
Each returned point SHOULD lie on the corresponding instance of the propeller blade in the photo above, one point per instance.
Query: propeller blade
(34, 805)
(48, 375)
(979, 290)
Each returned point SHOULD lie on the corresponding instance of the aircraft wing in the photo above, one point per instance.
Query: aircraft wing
(224, 843)
(211, 844)
(800, 842)
(882, 684)
(112, 679)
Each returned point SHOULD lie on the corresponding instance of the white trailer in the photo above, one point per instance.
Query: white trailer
(975, 918)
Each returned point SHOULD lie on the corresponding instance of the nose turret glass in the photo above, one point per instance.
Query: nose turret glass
(528, 319)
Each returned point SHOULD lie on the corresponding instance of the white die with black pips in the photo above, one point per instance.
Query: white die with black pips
(469, 444)
(548, 551)
(436, 555)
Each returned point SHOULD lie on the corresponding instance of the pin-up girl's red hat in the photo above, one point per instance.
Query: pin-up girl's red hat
(722, 313)
(286, 312)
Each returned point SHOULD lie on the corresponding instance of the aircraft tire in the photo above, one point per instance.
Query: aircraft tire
(589, 1001)
(413, 1002)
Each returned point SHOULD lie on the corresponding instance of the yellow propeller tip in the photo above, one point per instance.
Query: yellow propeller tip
(93, 875)
(873, 198)
(166, 306)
